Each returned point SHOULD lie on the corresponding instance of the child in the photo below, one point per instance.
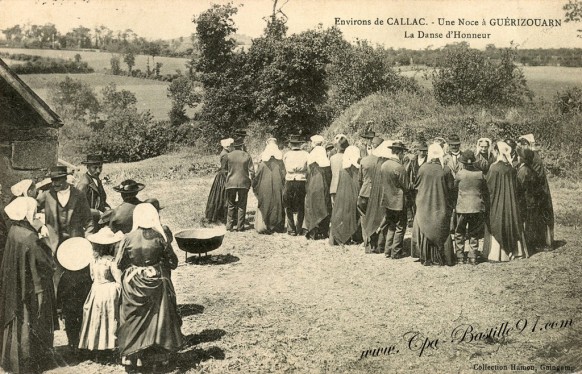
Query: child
(101, 308)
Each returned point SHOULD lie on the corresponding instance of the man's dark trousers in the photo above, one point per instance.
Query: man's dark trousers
(237, 200)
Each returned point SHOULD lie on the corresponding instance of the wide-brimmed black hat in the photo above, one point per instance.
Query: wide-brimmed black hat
(129, 186)
(93, 160)
(58, 172)
(240, 133)
(368, 134)
(398, 145)
(467, 157)
(454, 139)
(296, 139)
(238, 142)
(328, 146)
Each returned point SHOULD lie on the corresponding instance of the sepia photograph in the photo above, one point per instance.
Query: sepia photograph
(290, 186)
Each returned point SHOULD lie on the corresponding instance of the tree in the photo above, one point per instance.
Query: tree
(466, 77)
(115, 65)
(129, 59)
(73, 99)
(183, 92)
(13, 34)
(114, 101)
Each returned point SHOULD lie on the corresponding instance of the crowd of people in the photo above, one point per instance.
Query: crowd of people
(496, 193)
(106, 273)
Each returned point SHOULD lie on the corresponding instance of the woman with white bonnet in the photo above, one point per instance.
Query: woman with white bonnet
(149, 329)
(28, 316)
(317, 197)
(345, 220)
(216, 204)
(542, 189)
(504, 236)
(431, 239)
(25, 188)
(268, 188)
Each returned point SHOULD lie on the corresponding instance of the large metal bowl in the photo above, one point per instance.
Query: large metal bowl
(201, 240)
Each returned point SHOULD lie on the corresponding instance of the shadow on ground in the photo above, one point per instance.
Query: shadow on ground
(186, 310)
(212, 259)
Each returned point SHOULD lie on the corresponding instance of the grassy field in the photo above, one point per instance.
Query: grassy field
(151, 95)
(272, 304)
(544, 81)
(100, 61)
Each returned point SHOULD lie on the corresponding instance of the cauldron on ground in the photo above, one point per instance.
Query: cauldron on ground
(200, 240)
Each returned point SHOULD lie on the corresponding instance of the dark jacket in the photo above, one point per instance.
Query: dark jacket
(367, 170)
(240, 168)
(395, 184)
(472, 191)
(79, 221)
(95, 193)
(122, 216)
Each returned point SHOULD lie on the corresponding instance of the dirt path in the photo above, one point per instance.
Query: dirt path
(284, 304)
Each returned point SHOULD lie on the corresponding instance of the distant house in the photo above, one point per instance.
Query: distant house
(28, 132)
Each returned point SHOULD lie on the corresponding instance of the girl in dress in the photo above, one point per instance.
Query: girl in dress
(101, 308)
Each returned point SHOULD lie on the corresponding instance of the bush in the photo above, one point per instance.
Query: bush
(466, 76)
(46, 65)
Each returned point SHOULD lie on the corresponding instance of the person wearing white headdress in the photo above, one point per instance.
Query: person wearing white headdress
(28, 316)
(369, 166)
(317, 199)
(336, 164)
(504, 236)
(216, 203)
(149, 327)
(395, 188)
(542, 188)
(316, 140)
(431, 239)
(345, 227)
(24, 188)
(295, 161)
(268, 188)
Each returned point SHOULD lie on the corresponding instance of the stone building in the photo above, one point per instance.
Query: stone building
(28, 132)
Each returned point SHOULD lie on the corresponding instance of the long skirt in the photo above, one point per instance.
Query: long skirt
(496, 253)
(150, 324)
(216, 204)
(100, 317)
(431, 253)
(28, 340)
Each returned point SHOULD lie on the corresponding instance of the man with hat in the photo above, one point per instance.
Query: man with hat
(451, 159)
(368, 137)
(240, 173)
(121, 218)
(67, 215)
(90, 184)
(470, 208)
(483, 157)
(295, 162)
(336, 164)
(241, 134)
(395, 188)
(369, 166)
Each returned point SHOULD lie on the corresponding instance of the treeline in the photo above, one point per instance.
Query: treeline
(99, 38)
(46, 65)
(569, 57)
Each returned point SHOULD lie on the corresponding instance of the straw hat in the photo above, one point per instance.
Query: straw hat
(105, 236)
(75, 253)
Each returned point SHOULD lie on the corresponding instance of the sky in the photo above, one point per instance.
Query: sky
(164, 19)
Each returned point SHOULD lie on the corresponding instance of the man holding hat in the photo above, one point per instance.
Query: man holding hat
(470, 208)
(295, 162)
(121, 218)
(240, 173)
(91, 185)
(396, 186)
(67, 215)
